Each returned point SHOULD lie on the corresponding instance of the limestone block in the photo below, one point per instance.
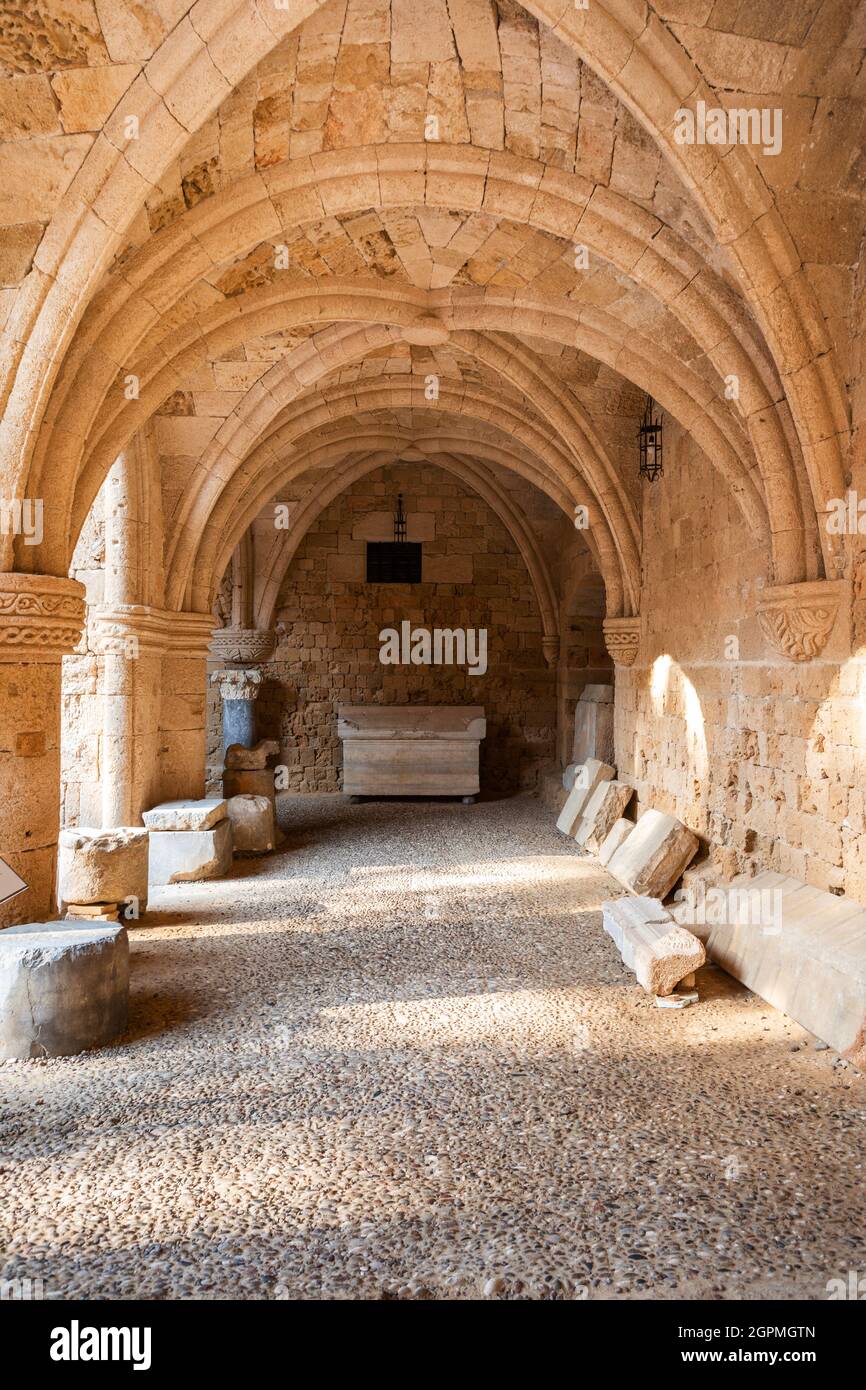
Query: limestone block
(800, 948)
(251, 759)
(603, 809)
(634, 914)
(661, 963)
(252, 822)
(102, 866)
(185, 856)
(651, 859)
(186, 815)
(64, 987)
(659, 951)
(591, 774)
(618, 832)
(593, 724)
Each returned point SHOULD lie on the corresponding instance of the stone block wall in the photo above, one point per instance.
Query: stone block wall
(764, 758)
(473, 577)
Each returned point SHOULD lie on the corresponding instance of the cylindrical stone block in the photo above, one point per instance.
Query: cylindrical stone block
(64, 987)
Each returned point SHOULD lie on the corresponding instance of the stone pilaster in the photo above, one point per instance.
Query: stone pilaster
(41, 618)
(153, 681)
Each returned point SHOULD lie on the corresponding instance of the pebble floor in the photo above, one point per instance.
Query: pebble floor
(400, 1059)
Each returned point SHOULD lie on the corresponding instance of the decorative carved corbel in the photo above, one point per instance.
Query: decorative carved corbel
(550, 650)
(621, 637)
(797, 619)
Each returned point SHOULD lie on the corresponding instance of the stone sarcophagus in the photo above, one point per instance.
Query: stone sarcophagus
(411, 750)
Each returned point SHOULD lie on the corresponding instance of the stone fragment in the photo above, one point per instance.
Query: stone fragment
(593, 725)
(248, 782)
(64, 987)
(603, 809)
(184, 856)
(661, 963)
(250, 759)
(653, 856)
(252, 822)
(659, 951)
(186, 815)
(569, 775)
(102, 866)
(585, 783)
(618, 832)
(92, 912)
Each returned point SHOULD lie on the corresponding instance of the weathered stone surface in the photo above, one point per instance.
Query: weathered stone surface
(798, 947)
(619, 831)
(586, 780)
(239, 758)
(660, 952)
(411, 750)
(603, 809)
(651, 859)
(63, 988)
(662, 962)
(252, 821)
(568, 776)
(248, 782)
(593, 725)
(186, 815)
(102, 866)
(181, 856)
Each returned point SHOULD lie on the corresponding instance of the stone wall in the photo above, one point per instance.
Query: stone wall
(328, 654)
(764, 758)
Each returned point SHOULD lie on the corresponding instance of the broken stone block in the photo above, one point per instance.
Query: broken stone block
(569, 775)
(632, 913)
(250, 759)
(589, 776)
(651, 943)
(653, 856)
(593, 725)
(616, 835)
(603, 809)
(248, 781)
(64, 987)
(185, 856)
(102, 866)
(252, 821)
(186, 815)
(661, 963)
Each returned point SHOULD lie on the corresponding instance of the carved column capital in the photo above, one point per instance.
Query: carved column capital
(246, 644)
(797, 619)
(135, 630)
(41, 617)
(237, 685)
(621, 637)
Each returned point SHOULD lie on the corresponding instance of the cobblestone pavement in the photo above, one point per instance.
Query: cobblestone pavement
(400, 1059)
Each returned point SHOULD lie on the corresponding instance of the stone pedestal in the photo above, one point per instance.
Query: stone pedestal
(64, 987)
(239, 690)
(41, 619)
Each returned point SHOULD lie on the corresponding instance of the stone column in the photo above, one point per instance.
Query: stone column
(183, 685)
(130, 642)
(41, 618)
(239, 690)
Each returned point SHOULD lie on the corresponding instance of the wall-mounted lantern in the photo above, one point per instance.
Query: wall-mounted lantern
(650, 442)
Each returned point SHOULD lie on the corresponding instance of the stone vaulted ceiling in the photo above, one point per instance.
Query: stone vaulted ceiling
(318, 210)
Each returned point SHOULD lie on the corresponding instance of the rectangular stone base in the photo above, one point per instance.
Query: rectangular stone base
(185, 856)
